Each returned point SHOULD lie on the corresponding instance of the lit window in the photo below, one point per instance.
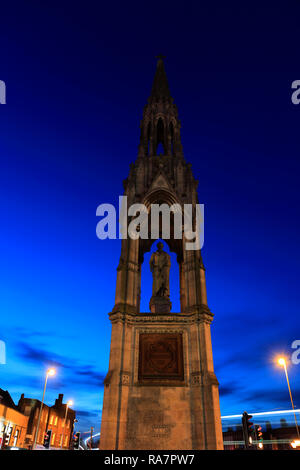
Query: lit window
(16, 437)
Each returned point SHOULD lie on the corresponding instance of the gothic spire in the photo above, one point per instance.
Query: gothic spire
(160, 86)
(160, 123)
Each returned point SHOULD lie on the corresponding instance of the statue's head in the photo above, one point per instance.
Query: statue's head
(160, 246)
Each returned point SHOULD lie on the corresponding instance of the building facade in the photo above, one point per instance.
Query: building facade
(13, 423)
(52, 418)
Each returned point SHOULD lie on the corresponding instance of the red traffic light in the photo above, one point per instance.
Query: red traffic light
(259, 431)
(47, 438)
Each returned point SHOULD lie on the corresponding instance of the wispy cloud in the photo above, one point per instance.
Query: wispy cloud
(229, 388)
(88, 414)
(80, 373)
(40, 356)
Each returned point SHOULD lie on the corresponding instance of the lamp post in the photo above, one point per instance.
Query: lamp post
(50, 373)
(91, 439)
(282, 362)
(69, 403)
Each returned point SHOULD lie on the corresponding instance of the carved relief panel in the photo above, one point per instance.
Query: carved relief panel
(160, 358)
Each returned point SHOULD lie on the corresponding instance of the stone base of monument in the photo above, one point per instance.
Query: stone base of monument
(160, 305)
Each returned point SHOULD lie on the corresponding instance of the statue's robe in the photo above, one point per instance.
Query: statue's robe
(160, 263)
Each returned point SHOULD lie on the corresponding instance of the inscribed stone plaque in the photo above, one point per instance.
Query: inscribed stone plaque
(160, 358)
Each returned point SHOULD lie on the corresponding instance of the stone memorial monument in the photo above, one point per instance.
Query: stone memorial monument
(160, 391)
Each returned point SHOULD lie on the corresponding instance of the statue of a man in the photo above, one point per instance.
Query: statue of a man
(160, 263)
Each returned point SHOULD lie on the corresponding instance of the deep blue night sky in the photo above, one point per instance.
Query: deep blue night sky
(77, 79)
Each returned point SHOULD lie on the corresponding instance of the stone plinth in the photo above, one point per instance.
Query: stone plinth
(158, 393)
(160, 305)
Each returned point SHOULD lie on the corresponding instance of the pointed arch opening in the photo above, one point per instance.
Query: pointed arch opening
(171, 134)
(162, 196)
(148, 135)
(160, 137)
(172, 245)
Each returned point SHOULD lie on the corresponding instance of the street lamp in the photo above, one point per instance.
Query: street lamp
(50, 373)
(282, 362)
(69, 403)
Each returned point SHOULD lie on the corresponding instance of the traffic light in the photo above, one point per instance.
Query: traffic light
(247, 429)
(76, 439)
(259, 435)
(47, 439)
